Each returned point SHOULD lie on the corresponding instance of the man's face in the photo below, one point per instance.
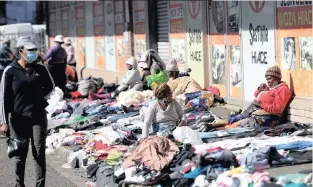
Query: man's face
(129, 67)
(271, 81)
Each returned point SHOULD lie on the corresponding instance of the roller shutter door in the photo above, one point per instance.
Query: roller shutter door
(163, 30)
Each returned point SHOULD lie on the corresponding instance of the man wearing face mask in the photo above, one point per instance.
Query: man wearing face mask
(270, 100)
(6, 55)
(24, 87)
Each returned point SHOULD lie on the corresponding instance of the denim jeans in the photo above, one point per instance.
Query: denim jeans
(162, 129)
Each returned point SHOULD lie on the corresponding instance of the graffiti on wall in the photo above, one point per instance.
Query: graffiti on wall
(306, 44)
(258, 34)
(289, 53)
(195, 39)
(258, 43)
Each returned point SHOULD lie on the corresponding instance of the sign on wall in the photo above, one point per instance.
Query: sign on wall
(139, 30)
(109, 31)
(306, 53)
(98, 21)
(58, 21)
(235, 66)
(80, 32)
(217, 18)
(219, 64)
(294, 14)
(176, 16)
(258, 43)
(65, 23)
(195, 40)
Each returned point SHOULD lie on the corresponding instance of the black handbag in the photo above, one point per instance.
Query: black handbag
(16, 146)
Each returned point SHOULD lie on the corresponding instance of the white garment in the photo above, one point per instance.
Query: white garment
(132, 76)
(70, 50)
(187, 135)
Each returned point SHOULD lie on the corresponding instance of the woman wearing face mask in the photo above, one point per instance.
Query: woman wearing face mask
(24, 86)
(271, 99)
(164, 114)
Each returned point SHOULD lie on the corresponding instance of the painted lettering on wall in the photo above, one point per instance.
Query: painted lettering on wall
(294, 17)
(195, 38)
(258, 34)
(294, 3)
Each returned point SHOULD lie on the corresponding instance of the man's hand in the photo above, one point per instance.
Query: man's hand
(4, 128)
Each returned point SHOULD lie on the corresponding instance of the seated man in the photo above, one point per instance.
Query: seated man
(180, 85)
(270, 102)
(131, 79)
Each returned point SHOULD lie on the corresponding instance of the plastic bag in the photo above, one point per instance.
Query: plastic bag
(16, 146)
(159, 78)
(187, 135)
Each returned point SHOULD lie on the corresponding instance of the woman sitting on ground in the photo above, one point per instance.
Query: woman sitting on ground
(270, 102)
(164, 114)
(180, 85)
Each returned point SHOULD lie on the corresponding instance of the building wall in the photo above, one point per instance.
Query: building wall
(225, 43)
(21, 11)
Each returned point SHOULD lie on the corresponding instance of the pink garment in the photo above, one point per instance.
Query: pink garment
(155, 151)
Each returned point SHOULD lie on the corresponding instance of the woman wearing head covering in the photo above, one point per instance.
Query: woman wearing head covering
(131, 79)
(180, 85)
(24, 87)
(164, 114)
(57, 60)
(270, 100)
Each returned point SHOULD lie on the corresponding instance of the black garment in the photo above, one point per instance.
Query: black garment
(57, 71)
(5, 57)
(34, 128)
(23, 91)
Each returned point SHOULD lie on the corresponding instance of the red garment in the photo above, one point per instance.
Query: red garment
(213, 90)
(276, 99)
(75, 94)
(214, 149)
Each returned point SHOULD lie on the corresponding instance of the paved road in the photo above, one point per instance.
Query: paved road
(54, 179)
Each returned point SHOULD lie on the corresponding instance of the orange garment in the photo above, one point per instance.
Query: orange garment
(70, 73)
(276, 99)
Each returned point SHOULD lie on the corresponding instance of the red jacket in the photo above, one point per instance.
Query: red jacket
(276, 99)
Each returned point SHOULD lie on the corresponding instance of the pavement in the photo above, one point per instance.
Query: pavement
(56, 175)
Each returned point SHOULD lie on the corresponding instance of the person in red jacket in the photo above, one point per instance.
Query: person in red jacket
(270, 100)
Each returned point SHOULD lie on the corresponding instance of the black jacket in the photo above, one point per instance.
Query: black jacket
(23, 92)
(5, 57)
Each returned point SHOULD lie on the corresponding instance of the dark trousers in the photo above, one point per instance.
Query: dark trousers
(1, 73)
(34, 128)
(57, 71)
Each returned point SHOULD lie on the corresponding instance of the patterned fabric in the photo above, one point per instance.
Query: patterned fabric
(273, 71)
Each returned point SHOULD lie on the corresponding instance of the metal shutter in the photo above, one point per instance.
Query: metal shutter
(163, 30)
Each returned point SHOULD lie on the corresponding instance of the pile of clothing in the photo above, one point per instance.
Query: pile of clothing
(106, 145)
